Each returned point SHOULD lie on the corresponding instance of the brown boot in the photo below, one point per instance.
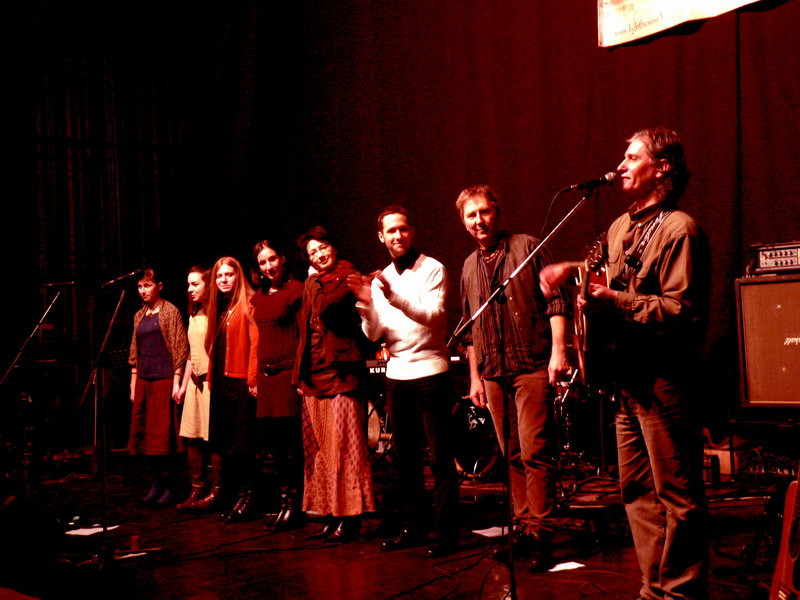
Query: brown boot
(194, 496)
(211, 501)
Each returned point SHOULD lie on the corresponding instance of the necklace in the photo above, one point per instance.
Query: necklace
(490, 257)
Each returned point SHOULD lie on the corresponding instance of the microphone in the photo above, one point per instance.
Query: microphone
(58, 284)
(120, 278)
(606, 179)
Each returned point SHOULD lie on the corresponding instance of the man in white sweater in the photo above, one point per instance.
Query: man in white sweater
(405, 304)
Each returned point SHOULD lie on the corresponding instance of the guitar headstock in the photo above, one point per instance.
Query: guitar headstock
(596, 254)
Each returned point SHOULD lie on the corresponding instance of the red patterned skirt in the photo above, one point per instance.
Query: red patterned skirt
(337, 475)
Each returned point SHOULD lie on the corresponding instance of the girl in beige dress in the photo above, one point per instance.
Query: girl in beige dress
(194, 388)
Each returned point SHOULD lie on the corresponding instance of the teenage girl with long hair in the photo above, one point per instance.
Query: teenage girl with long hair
(231, 344)
(194, 388)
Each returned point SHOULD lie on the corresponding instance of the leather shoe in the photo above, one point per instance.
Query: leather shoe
(521, 548)
(273, 520)
(290, 517)
(273, 523)
(210, 501)
(441, 547)
(243, 509)
(524, 544)
(347, 531)
(404, 539)
(541, 561)
(197, 494)
(540, 555)
(324, 532)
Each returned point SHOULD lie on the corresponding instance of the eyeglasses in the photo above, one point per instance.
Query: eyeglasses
(322, 248)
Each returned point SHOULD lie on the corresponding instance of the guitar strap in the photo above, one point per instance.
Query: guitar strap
(633, 259)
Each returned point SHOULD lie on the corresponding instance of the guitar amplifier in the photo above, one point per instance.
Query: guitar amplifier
(775, 258)
(768, 308)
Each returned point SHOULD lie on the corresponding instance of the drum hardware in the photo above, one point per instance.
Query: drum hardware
(572, 466)
(379, 438)
(562, 410)
(475, 447)
(475, 443)
(577, 471)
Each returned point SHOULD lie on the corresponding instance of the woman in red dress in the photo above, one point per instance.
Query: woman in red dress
(276, 310)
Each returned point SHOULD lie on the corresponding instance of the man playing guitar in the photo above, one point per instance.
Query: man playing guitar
(658, 261)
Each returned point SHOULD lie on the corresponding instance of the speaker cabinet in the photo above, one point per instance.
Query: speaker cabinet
(768, 311)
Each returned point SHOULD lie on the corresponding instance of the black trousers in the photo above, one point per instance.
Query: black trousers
(417, 408)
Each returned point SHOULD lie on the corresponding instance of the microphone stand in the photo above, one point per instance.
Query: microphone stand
(30, 337)
(100, 443)
(497, 295)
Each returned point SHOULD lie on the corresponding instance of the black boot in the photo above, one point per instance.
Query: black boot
(243, 509)
(292, 516)
(273, 523)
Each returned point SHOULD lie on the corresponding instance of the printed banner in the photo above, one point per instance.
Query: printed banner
(620, 21)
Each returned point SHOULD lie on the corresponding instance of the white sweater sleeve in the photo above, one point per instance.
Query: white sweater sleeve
(431, 303)
(371, 323)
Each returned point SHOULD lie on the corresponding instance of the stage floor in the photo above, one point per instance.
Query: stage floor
(202, 558)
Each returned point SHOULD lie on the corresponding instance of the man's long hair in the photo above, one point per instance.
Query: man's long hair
(665, 144)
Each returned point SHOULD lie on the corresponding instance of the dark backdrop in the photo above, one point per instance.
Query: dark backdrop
(170, 133)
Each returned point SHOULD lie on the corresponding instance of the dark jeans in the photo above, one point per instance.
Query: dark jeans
(660, 448)
(530, 443)
(417, 407)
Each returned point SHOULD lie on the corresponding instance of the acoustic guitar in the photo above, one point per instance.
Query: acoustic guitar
(786, 581)
(593, 332)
